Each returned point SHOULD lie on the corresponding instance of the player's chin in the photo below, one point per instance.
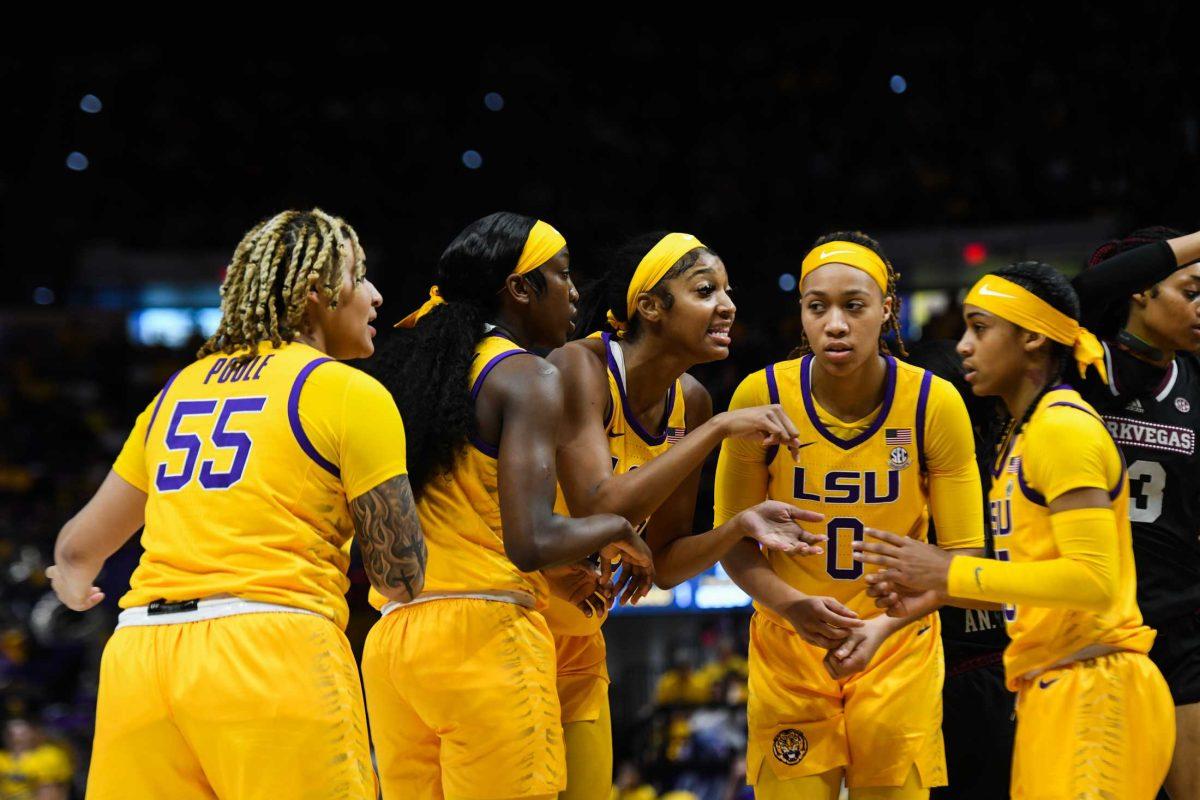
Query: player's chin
(365, 348)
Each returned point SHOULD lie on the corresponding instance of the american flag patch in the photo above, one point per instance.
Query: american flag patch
(1014, 464)
(675, 435)
(897, 436)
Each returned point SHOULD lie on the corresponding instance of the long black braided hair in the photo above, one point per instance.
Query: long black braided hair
(426, 367)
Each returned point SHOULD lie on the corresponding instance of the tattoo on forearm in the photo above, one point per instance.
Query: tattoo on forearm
(389, 533)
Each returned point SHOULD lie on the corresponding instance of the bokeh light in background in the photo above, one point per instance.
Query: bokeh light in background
(756, 143)
(974, 253)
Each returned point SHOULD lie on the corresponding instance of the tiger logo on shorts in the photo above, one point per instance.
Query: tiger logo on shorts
(790, 746)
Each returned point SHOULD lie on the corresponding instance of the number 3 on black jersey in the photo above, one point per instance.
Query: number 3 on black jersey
(1147, 482)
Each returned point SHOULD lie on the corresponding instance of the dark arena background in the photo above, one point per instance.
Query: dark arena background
(130, 168)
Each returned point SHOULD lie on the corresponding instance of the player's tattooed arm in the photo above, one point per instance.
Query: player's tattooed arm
(389, 533)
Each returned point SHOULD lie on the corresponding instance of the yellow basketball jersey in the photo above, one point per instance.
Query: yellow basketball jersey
(248, 470)
(874, 479)
(630, 445)
(1020, 522)
(460, 511)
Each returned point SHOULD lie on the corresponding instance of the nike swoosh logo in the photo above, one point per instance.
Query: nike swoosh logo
(612, 435)
(986, 292)
(825, 255)
(923, 630)
(1046, 684)
(978, 582)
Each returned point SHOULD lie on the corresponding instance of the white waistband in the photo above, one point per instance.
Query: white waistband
(517, 599)
(212, 608)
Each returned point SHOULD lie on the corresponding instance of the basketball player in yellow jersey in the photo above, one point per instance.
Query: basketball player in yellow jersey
(837, 688)
(1094, 716)
(636, 431)
(228, 675)
(460, 683)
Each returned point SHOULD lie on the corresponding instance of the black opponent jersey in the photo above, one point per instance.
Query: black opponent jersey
(1154, 415)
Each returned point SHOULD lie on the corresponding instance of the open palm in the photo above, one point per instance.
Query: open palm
(776, 525)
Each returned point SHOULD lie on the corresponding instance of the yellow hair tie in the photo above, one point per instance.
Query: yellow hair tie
(542, 244)
(1021, 307)
(435, 300)
(850, 254)
(650, 270)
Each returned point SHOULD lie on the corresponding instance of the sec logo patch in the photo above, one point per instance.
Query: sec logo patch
(790, 747)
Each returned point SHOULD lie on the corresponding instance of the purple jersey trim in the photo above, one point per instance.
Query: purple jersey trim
(646, 437)
(161, 396)
(773, 394)
(1031, 494)
(488, 449)
(998, 466)
(294, 419)
(488, 367)
(889, 394)
(478, 442)
(1035, 496)
(922, 404)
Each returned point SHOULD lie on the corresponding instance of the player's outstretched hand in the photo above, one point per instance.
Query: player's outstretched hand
(908, 562)
(637, 562)
(856, 650)
(776, 526)
(74, 594)
(768, 425)
(822, 621)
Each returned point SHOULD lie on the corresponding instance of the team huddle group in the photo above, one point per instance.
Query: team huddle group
(507, 486)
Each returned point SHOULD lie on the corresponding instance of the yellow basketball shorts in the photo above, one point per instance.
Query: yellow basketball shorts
(876, 724)
(263, 705)
(582, 676)
(1104, 727)
(462, 702)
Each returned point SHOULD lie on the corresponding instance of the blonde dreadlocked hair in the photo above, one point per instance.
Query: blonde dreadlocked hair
(892, 326)
(273, 269)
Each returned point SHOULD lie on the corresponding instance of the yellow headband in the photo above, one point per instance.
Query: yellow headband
(850, 254)
(651, 269)
(1021, 307)
(542, 244)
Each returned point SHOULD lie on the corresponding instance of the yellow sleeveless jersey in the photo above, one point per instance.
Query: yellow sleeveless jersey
(915, 453)
(631, 446)
(1064, 446)
(248, 471)
(460, 512)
